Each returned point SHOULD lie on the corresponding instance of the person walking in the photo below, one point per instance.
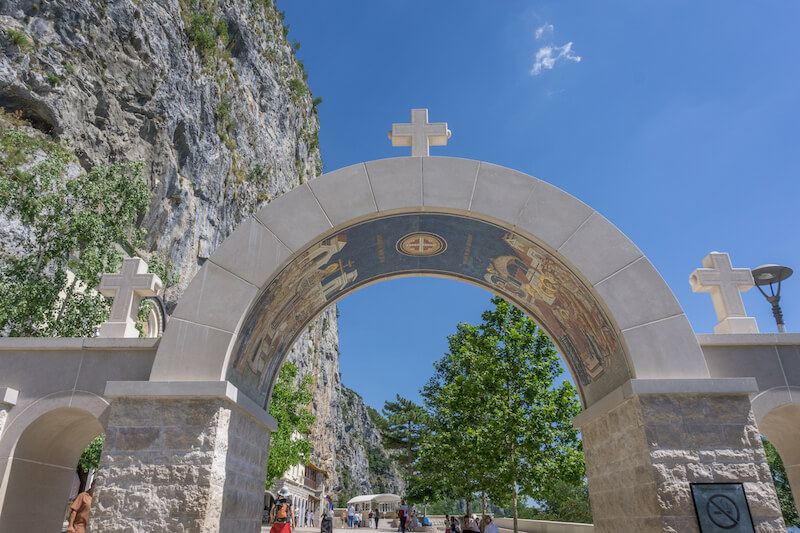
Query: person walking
(377, 517)
(351, 511)
(282, 513)
(447, 523)
(454, 528)
(402, 514)
(79, 511)
(357, 520)
(489, 525)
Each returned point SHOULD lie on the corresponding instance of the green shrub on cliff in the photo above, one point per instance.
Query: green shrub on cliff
(70, 234)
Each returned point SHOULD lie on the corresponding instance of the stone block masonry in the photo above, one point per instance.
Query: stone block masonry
(642, 456)
(189, 465)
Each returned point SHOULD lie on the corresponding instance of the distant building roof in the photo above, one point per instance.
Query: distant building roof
(377, 498)
(318, 469)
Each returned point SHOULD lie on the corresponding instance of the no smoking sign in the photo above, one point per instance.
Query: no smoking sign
(722, 508)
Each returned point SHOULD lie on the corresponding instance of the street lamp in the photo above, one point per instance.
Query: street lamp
(769, 275)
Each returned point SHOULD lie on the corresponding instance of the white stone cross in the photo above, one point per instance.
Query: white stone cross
(725, 284)
(127, 288)
(420, 134)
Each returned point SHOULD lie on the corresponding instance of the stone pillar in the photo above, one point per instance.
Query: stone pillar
(646, 442)
(189, 457)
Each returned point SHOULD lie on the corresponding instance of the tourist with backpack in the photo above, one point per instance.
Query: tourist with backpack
(402, 514)
(282, 513)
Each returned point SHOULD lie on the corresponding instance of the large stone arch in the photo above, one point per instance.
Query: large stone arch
(39, 453)
(654, 337)
(653, 419)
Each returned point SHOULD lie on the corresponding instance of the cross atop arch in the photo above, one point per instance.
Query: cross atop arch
(420, 134)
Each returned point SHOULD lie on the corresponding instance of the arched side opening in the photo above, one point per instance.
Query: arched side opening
(639, 312)
(778, 417)
(42, 463)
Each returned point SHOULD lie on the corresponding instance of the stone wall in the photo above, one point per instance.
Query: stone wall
(642, 456)
(194, 465)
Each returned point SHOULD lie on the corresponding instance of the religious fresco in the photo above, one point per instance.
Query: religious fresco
(503, 262)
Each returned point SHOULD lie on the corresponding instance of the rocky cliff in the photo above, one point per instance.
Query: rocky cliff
(207, 93)
(345, 440)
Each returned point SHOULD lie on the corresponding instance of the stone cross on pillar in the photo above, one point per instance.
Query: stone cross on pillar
(127, 288)
(725, 285)
(420, 134)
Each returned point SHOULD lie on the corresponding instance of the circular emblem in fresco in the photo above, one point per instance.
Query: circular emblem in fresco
(421, 244)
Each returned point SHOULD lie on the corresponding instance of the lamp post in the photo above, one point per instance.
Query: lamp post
(769, 275)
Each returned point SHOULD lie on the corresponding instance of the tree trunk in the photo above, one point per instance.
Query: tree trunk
(514, 487)
(82, 478)
(514, 505)
(468, 499)
(483, 510)
(408, 439)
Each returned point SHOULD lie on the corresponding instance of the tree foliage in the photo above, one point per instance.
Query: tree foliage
(781, 481)
(74, 226)
(405, 421)
(500, 421)
(90, 459)
(288, 405)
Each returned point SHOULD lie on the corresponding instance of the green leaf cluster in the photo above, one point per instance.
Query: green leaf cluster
(90, 458)
(288, 405)
(782, 488)
(74, 230)
(500, 421)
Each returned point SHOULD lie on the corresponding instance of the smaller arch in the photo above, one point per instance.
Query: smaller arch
(777, 413)
(39, 453)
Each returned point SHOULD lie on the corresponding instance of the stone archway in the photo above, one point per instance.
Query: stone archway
(642, 377)
(655, 335)
(39, 455)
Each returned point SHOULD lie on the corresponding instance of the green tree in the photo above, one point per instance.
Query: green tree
(288, 405)
(781, 481)
(90, 459)
(74, 228)
(566, 502)
(451, 461)
(405, 421)
(496, 390)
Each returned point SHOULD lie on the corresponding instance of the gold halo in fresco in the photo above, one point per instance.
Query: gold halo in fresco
(421, 244)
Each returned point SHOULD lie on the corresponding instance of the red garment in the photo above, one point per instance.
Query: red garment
(281, 527)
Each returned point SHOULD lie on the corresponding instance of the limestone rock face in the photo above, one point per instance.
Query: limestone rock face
(208, 94)
(345, 441)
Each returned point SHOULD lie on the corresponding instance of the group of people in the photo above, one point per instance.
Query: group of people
(469, 524)
(353, 519)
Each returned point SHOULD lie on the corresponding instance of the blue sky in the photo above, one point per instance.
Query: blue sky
(677, 121)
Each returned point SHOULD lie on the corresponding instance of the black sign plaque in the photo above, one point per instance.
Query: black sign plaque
(722, 508)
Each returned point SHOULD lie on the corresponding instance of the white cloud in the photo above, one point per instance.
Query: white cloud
(547, 56)
(542, 29)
